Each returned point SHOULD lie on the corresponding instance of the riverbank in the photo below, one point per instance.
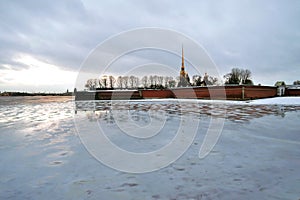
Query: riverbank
(18, 100)
(23, 94)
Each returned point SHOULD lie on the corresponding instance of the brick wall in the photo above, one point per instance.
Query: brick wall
(292, 92)
(150, 94)
(257, 92)
(124, 94)
(213, 92)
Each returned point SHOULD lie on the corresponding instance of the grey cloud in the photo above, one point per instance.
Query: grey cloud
(263, 36)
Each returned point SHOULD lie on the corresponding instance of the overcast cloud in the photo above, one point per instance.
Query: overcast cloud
(263, 36)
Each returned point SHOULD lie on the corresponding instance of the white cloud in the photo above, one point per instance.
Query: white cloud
(38, 74)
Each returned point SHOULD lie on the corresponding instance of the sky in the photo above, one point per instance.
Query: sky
(43, 44)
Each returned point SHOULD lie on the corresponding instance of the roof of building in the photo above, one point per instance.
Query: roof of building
(280, 83)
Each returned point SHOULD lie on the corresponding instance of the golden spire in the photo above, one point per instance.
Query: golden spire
(182, 59)
(182, 72)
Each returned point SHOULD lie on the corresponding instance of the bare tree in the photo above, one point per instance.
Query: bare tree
(245, 76)
(104, 81)
(197, 80)
(151, 80)
(125, 81)
(120, 82)
(238, 76)
(160, 80)
(131, 81)
(90, 84)
(136, 82)
(99, 83)
(95, 81)
(145, 81)
(233, 77)
(111, 81)
(155, 79)
(212, 80)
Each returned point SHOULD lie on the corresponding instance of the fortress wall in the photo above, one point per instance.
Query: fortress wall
(292, 92)
(150, 94)
(257, 92)
(238, 92)
(117, 94)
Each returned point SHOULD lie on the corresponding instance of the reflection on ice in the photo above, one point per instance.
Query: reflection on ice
(118, 119)
(37, 121)
(139, 110)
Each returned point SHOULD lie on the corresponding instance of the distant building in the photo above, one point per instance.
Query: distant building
(280, 83)
(293, 86)
(281, 86)
(184, 79)
(293, 90)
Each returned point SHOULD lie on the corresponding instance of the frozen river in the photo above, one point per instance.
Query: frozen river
(256, 155)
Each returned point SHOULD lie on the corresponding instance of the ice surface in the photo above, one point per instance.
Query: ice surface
(256, 157)
(267, 101)
(279, 100)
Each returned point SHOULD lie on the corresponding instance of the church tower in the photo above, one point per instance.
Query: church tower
(184, 79)
(182, 72)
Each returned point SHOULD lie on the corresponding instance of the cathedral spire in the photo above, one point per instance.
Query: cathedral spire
(184, 80)
(182, 71)
(182, 59)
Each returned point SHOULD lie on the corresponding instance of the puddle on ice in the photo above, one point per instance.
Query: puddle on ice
(257, 155)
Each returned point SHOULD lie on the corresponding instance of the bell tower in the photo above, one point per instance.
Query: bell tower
(182, 72)
(184, 79)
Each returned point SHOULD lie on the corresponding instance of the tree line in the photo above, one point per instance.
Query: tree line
(131, 82)
(236, 76)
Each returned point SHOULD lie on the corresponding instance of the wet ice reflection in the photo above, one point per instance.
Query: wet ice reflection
(118, 119)
(139, 110)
